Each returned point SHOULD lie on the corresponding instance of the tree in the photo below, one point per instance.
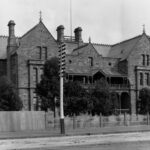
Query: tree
(115, 100)
(101, 99)
(9, 99)
(75, 101)
(144, 96)
(48, 88)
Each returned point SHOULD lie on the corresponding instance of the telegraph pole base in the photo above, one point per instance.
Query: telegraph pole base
(62, 126)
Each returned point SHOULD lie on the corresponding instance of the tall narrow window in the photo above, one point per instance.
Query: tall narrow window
(141, 78)
(147, 60)
(147, 78)
(34, 100)
(40, 73)
(91, 61)
(35, 76)
(143, 59)
(39, 53)
(44, 52)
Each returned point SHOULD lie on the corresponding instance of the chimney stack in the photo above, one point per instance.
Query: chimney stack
(78, 34)
(11, 38)
(60, 33)
(12, 45)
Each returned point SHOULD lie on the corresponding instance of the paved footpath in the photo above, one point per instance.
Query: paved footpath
(73, 132)
(55, 142)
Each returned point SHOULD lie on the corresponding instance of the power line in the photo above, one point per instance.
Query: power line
(71, 18)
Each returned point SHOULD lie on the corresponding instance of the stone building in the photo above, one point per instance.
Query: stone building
(125, 65)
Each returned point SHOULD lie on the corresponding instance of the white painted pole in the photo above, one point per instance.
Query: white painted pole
(61, 98)
(62, 123)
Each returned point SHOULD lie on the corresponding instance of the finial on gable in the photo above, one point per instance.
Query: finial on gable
(143, 28)
(89, 39)
(40, 16)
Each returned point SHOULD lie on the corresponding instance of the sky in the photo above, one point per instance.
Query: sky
(105, 21)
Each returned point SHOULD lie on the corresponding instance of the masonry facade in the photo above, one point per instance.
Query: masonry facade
(125, 65)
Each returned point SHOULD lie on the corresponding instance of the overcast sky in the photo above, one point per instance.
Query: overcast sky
(105, 21)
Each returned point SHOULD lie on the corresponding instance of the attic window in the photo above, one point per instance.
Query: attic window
(70, 61)
(122, 51)
(90, 59)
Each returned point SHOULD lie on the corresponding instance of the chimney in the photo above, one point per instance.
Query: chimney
(12, 45)
(60, 33)
(11, 37)
(78, 34)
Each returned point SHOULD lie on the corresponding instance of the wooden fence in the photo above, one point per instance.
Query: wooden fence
(40, 120)
(22, 120)
(85, 121)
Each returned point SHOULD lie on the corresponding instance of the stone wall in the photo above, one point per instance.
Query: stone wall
(39, 36)
(134, 60)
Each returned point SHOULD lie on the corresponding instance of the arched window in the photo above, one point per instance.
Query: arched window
(141, 78)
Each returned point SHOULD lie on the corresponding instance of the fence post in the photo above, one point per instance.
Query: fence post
(74, 121)
(45, 120)
(125, 119)
(148, 118)
(101, 120)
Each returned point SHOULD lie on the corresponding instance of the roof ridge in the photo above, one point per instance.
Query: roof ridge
(127, 40)
(101, 44)
(80, 47)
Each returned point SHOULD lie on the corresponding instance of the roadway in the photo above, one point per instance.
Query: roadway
(123, 141)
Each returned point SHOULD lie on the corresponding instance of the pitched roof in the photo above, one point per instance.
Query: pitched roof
(85, 47)
(3, 46)
(102, 49)
(122, 49)
(70, 47)
(40, 23)
(82, 70)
